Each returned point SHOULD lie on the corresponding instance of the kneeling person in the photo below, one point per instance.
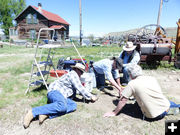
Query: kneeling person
(108, 68)
(147, 92)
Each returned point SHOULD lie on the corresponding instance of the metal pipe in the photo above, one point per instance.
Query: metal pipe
(80, 22)
(79, 55)
(159, 14)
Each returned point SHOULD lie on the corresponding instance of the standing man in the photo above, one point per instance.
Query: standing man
(59, 94)
(129, 56)
(107, 67)
(147, 92)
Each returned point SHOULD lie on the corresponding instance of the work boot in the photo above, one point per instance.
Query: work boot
(173, 111)
(42, 118)
(27, 119)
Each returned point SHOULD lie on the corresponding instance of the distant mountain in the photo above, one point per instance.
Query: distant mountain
(171, 32)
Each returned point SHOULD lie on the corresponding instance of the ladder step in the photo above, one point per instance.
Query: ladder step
(36, 83)
(43, 73)
(49, 46)
(44, 63)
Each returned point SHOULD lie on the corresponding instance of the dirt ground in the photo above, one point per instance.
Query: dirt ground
(88, 118)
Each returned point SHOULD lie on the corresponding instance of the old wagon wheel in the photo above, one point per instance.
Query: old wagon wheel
(149, 34)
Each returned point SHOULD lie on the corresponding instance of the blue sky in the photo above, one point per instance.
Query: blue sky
(103, 16)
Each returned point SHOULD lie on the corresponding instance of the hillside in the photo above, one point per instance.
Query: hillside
(171, 32)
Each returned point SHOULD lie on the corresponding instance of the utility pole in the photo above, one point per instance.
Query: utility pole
(159, 14)
(80, 23)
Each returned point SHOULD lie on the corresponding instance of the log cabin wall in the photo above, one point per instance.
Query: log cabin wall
(25, 28)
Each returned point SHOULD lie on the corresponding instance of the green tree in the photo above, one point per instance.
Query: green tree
(91, 37)
(9, 9)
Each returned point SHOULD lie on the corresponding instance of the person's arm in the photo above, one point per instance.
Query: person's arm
(116, 75)
(113, 82)
(75, 80)
(118, 81)
(109, 76)
(119, 107)
(78, 86)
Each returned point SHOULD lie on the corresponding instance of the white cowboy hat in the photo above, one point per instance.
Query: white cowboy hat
(79, 66)
(129, 46)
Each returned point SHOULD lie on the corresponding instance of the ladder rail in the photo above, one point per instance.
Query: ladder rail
(39, 34)
(41, 74)
(38, 62)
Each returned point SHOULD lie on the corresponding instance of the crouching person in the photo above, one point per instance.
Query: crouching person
(58, 95)
(147, 92)
(108, 68)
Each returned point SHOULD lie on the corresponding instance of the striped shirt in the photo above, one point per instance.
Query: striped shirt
(68, 84)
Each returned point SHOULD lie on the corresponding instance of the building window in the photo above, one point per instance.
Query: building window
(31, 19)
(65, 35)
(13, 32)
(32, 34)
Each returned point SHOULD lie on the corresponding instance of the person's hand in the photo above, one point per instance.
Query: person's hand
(109, 114)
(94, 98)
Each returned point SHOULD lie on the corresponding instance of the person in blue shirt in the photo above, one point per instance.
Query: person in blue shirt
(107, 67)
(129, 56)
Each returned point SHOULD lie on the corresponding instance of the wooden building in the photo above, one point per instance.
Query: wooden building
(33, 18)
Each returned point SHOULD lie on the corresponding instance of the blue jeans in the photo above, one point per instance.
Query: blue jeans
(58, 105)
(126, 77)
(172, 105)
(100, 78)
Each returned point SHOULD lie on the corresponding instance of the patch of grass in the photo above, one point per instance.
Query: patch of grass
(15, 50)
(40, 102)
(18, 69)
(9, 85)
(161, 65)
(95, 91)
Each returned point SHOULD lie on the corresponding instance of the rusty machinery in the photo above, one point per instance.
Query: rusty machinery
(152, 43)
(177, 47)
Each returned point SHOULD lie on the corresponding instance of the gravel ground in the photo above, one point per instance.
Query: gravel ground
(88, 118)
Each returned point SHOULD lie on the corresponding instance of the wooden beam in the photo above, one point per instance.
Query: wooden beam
(177, 47)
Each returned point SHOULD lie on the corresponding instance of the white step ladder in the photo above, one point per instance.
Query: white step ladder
(41, 67)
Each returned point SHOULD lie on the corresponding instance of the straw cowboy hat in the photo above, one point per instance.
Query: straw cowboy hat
(79, 66)
(129, 46)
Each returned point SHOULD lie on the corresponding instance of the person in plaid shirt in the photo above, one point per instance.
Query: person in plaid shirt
(59, 94)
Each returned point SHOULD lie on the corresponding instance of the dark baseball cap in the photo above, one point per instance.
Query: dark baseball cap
(119, 63)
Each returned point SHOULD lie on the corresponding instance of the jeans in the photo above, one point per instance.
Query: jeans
(100, 78)
(58, 105)
(126, 77)
(172, 105)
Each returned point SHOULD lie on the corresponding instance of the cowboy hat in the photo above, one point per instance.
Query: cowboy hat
(79, 66)
(129, 46)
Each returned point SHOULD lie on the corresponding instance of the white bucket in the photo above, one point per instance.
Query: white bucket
(87, 81)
